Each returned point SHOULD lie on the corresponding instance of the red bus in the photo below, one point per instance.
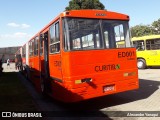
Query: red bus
(76, 57)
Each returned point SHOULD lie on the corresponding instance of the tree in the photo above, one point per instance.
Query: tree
(85, 4)
(156, 26)
(141, 30)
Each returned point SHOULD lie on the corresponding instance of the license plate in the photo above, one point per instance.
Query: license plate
(108, 88)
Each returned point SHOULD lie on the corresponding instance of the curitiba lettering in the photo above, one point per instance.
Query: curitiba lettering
(126, 54)
(107, 67)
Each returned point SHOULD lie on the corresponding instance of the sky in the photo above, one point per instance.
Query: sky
(22, 19)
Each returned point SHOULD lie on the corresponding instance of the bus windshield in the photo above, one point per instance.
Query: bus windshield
(84, 34)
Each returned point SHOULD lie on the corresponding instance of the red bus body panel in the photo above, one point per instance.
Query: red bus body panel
(105, 67)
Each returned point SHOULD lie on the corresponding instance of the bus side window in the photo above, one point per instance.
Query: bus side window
(153, 44)
(41, 46)
(55, 38)
(31, 47)
(36, 46)
(157, 43)
(139, 45)
(148, 45)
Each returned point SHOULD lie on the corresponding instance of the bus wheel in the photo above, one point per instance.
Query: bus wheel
(141, 64)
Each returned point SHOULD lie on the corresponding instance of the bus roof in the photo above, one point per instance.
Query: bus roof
(89, 13)
(100, 14)
(146, 37)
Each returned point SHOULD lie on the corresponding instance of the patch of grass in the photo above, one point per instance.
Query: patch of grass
(13, 94)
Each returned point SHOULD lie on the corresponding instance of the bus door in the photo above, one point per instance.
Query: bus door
(41, 52)
(45, 74)
(46, 60)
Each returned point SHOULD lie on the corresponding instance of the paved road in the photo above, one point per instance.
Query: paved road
(150, 74)
(146, 98)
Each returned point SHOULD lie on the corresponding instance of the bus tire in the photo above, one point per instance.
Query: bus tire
(141, 64)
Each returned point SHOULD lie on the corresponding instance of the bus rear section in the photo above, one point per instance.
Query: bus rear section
(98, 73)
(92, 63)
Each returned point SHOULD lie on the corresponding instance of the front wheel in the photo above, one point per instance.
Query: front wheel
(141, 64)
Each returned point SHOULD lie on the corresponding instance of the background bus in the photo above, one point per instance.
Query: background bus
(148, 50)
(75, 56)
